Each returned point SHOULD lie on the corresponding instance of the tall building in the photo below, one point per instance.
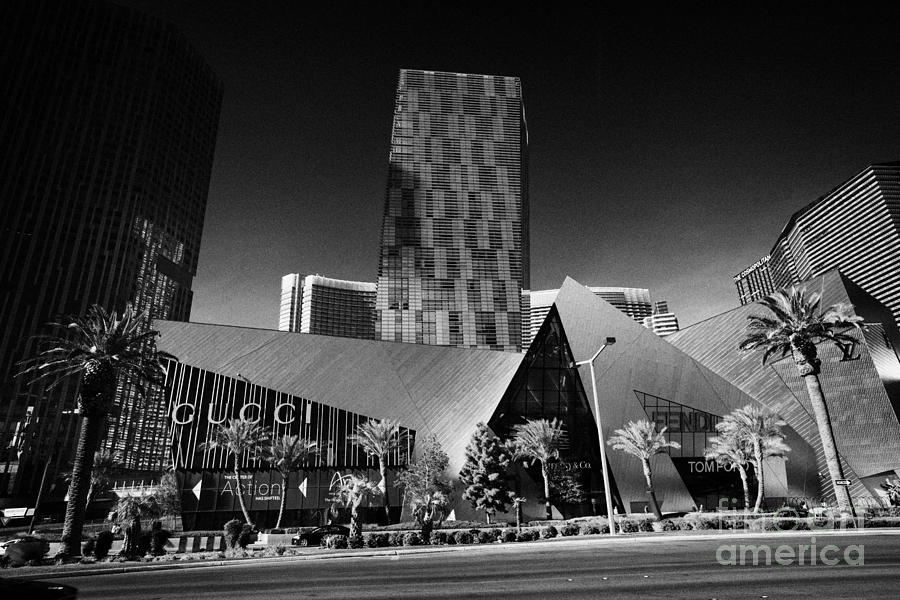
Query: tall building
(454, 245)
(291, 295)
(634, 302)
(754, 282)
(325, 306)
(108, 123)
(854, 228)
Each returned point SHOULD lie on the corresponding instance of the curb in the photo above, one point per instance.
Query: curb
(592, 540)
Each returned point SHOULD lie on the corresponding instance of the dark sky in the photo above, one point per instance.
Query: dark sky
(668, 146)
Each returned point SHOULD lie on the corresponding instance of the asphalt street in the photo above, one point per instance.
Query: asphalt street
(588, 568)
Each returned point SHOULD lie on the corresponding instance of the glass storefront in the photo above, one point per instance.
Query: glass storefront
(547, 386)
(200, 400)
(711, 485)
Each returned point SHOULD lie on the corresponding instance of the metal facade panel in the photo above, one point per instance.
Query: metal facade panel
(432, 389)
(638, 361)
(866, 427)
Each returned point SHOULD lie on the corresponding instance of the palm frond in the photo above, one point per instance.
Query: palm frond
(640, 439)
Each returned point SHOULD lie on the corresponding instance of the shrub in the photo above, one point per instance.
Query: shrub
(588, 529)
(568, 530)
(487, 537)
(508, 535)
(377, 540)
(527, 535)
(280, 549)
(451, 539)
(412, 538)
(355, 542)
(395, 538)
(335, 542)
(496, 533)
(438, 538)
(628, 526)
(645, 525)
(704, 524)
(685, 524)
(668, 525)
(475, 533)
(463, 537)
(103, 544)
(158, 540)
(549, 532)
(232, 529)
(88, 548)
(245, 536)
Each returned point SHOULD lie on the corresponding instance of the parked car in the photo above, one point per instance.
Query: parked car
(24, 548)
(312, 538)
(36, 590)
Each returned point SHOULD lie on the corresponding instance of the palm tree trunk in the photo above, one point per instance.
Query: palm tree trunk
(240, 492)
(546, 490)
(130, 545)
(654, 505)
(382, 485)
(746, 487)
(284, 484)
(92, 427)
(355, 529)
(829, 448)
(760, 477)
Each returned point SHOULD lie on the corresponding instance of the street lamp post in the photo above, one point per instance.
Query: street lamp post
(606, 488)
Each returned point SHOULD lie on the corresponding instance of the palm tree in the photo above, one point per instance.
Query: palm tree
(353, 491)
(730, 452)
(378, 439)
(640, 439)
(797, 327)
(128, 514)
(538, 440)
(237, 438)
(104, 352)
(287, 454)
(760, 431)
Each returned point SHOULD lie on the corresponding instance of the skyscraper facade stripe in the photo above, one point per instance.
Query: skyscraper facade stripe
(454, 247)
(108, 124)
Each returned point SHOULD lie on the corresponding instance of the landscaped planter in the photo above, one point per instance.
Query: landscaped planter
(275, 539)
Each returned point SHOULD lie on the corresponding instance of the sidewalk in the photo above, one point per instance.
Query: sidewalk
(602, 540)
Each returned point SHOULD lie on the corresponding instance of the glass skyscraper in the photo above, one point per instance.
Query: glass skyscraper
(454, 247)
(108, 124)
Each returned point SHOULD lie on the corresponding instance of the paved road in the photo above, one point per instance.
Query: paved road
(572, 569)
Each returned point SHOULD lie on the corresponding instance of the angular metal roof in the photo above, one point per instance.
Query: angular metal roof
(436, 390)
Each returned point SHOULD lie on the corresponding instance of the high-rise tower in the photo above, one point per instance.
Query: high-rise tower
(326, 306)
(454, 247)
(108, 123)
(854, 228)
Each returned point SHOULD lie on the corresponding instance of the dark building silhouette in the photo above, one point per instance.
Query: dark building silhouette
(108, 123)
(454, 245)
